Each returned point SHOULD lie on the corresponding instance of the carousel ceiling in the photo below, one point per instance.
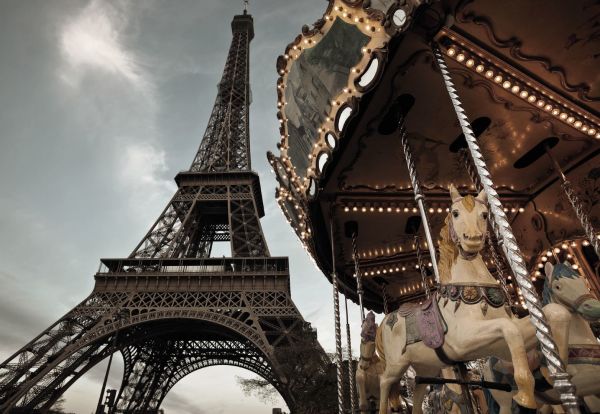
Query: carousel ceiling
(346, 83)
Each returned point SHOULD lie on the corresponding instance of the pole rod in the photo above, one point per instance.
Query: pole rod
(350, 364)
(336, 313)
(419, 198)
(359, 287)
(576, 204)
(562, 382)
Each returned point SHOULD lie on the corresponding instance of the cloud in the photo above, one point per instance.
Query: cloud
(141, 169)
(93, 40)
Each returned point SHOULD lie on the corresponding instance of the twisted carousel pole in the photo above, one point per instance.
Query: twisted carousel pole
(421, 263)
(512, 251)
(419, 198)
(576, 204)
(336, 313)
(359, 286)
(350, 365)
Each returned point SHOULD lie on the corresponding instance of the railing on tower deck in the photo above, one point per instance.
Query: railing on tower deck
(212, 266)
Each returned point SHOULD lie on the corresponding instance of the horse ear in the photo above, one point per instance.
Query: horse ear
(454, 194)
(482, 196)
(548, 269)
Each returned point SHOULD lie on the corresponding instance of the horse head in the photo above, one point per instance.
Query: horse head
(566, 286)
(467, 221)
(367, 344)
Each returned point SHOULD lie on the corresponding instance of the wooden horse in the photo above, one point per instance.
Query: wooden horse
(566, 287)
(369, 369)
(477, 317)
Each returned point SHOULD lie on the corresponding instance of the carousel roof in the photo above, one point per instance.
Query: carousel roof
(527, 85)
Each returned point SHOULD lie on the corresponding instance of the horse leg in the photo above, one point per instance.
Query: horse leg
(361, 385)
(392, 374)
(479, 335)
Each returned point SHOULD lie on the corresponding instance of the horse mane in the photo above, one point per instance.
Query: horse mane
(449, 250)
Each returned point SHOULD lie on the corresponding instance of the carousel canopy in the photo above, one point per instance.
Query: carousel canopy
(529, 86)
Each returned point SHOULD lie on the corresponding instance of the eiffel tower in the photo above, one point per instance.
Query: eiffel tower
(169, 307)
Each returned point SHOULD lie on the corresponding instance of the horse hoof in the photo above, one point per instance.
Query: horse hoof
(519, 409)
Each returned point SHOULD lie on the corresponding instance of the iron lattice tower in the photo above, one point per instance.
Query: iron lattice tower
(169, 307)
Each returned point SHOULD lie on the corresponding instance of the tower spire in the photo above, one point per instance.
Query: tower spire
(226, 142)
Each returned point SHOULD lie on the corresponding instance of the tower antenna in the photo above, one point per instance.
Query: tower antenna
(245, 6)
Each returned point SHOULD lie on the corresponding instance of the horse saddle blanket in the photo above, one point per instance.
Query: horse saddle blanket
(424, 322)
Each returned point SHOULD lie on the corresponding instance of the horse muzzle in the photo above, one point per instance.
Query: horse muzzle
(589, 309)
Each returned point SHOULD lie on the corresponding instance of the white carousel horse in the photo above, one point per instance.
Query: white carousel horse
(477, 317)
(566, 287)
(370, 368)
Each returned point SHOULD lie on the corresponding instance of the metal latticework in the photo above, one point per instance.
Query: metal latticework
(169, 307)
(226, 142)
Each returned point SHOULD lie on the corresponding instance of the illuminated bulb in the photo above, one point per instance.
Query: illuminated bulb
(549, 253)
(515, 89)
(451, 51)
(570, 120)
(577, 124)
(346, 209)
(489, 74)
(460, 57)
(544, 259)
(548, 107)
(479, 68)
(470, 62)
(524, 94)
(498, 79)
(556, 250)
(575, 267)
(506, 84)
(531, 98)
(555, 112)
(354, 208)
(585, 243)
(584, 128)
(521, 209)
(564, 246)
(563, 116)
(598, 135)
(592, 131)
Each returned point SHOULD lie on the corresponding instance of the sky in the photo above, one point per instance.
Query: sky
(102, 102)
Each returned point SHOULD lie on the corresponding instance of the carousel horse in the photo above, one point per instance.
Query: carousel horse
(565, 287)
(468, 318)
(370, 368)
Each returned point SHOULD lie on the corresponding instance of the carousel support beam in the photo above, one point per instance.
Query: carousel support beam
(562, 382)
(576, 204)
(336, 313)
(350, 364)
(419, 198)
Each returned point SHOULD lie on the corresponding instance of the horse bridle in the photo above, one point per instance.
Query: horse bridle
(575, 305)
(454, 236)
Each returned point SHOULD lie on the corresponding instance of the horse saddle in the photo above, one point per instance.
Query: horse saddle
(424, 322)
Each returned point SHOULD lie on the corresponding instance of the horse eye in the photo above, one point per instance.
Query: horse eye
(557, 287)
(455, 214)
(484, 215)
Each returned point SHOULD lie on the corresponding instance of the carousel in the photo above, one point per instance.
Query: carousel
(440, 162)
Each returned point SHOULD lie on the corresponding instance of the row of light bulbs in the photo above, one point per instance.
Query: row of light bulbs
(384, 270)
(368, 208)
(525, 93)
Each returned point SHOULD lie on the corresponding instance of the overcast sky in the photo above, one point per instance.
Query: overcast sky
(101, 104)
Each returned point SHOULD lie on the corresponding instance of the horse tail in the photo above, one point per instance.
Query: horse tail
(379, 342)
